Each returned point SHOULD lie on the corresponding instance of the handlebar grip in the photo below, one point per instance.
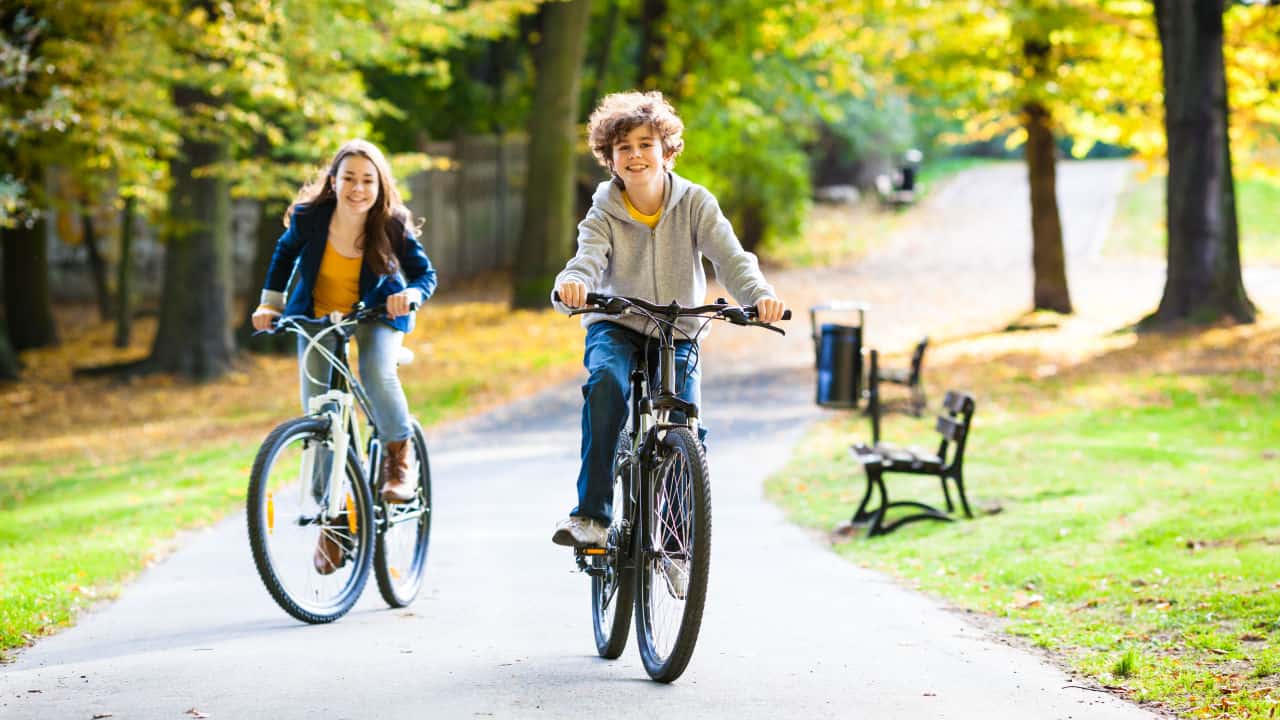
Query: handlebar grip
(592, 298)
(786, 314)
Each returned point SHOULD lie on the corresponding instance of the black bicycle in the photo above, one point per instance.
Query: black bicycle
(314, 481)
(657, 557)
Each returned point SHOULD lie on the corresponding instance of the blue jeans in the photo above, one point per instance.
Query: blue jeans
(611, 353)
(379, 344)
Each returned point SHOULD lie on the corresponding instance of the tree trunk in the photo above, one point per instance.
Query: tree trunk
(9, 366)
(751, 224)
(97, 266)
(124, 275)
(606, 51)
(194, 336)
(270, 228)
(547, 235)
(653, 43)
(28, 306)
(1203, 280)
(1047, 258)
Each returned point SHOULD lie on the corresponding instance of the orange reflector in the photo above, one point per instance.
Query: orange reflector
(593, 551)
(395, 574)
(352, 523)
(271, 513)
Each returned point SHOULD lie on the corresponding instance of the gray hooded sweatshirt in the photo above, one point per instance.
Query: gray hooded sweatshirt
(618, 255)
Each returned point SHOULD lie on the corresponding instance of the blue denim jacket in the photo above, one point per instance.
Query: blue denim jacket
(301, 248)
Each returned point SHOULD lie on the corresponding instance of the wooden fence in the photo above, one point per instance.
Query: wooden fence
(471, 222)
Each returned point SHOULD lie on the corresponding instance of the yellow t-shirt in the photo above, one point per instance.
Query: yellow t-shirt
(650, 220)
(338, 282)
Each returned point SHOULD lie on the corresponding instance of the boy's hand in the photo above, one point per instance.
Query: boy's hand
(769, 309)
(573, 294)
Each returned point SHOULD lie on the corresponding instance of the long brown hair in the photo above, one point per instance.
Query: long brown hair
(387, 221)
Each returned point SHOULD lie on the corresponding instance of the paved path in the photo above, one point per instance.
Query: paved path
(503, 627)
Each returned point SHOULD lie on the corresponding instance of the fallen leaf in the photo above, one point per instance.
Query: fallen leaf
(103, 715)
(196, 713)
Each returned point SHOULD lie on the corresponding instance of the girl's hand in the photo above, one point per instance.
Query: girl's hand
(398, 304)
(770, 309)
(573, 294)
(264, 317)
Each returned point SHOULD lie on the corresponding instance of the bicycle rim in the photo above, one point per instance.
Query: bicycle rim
(286, 521)
(675, 550)
(613, 593)
(404, 532)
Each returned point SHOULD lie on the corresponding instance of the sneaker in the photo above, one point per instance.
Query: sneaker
(580, 531)
(676, 572)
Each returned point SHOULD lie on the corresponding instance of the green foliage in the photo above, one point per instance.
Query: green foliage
(88, 85)
(754, 80)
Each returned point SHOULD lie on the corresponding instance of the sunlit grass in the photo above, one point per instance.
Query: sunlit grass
(1138, 484)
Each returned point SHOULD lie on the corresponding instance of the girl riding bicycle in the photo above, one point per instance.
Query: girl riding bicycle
(644, 236)
(350, 239)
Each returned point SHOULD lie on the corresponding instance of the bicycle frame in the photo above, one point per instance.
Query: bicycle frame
(338, 404)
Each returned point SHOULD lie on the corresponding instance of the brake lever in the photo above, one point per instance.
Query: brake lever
(736, 315)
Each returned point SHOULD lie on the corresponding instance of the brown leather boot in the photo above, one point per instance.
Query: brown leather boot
(398, 486)
(328, 556)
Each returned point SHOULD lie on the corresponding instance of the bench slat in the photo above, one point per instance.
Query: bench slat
(952, 430)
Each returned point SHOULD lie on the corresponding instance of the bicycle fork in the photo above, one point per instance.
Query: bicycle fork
(337, 407)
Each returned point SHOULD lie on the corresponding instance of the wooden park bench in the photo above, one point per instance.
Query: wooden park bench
(911, 377)
(881, 459)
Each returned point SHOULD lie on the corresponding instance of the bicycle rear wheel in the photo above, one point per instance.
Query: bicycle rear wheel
(287, 524)
(613, 592)
(674, 557)
(404, 530)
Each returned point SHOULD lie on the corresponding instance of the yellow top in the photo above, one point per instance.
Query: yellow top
(650, 220)
(337, 283)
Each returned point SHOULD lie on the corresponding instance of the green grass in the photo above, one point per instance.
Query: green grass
(71, 535)
(1139, 224)
(1137, 539)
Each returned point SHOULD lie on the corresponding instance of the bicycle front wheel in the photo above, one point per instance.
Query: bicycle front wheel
(674, 557)
(313, 562)
(404, 531)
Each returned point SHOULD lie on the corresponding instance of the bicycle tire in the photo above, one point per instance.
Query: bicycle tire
(400, 558)
(676, 526)
(298, 588)
(613, 594)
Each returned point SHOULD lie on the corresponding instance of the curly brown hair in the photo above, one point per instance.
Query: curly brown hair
(620, 113)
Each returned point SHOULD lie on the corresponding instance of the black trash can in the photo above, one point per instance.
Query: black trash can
(839, 365)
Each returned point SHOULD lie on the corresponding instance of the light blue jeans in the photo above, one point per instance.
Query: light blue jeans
(379, 345)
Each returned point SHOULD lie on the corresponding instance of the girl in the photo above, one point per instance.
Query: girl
(350, 239)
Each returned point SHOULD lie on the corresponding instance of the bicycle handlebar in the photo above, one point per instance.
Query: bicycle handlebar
(617, 305)
(359, 313)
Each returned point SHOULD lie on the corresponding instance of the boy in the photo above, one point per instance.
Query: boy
(644, 236)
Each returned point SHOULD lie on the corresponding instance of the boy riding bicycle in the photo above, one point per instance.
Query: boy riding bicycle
(644, 236)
